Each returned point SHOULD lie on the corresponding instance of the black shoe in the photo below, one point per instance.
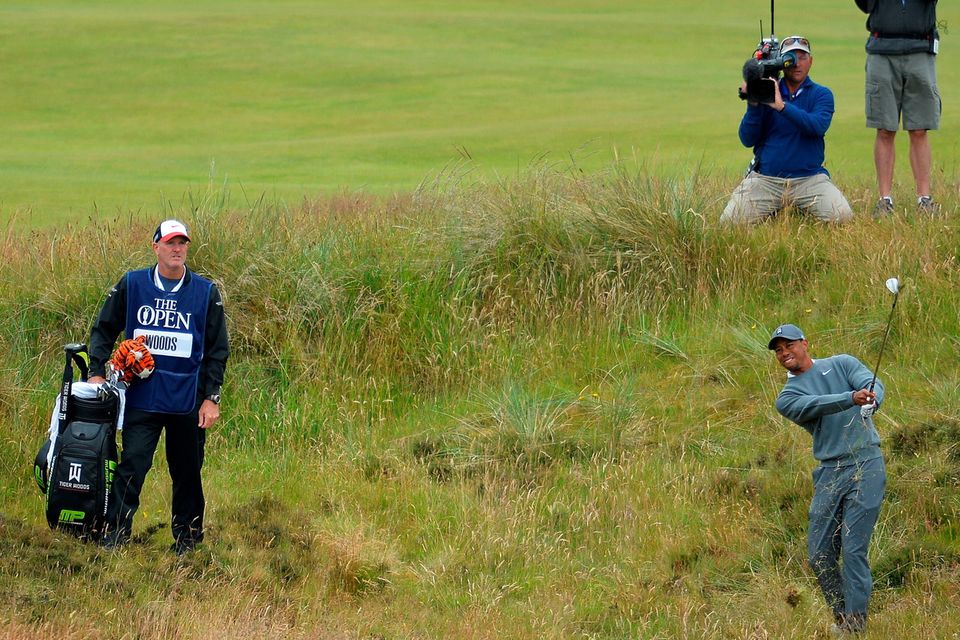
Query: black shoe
(114, 540)
(183, 547)
(851, 624)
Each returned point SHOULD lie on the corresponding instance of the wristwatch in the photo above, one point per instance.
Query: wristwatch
(214, 398)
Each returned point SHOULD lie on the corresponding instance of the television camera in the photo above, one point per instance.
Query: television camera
(766, 63)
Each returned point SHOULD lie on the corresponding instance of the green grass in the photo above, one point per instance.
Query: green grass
(535, 409)
(528, 398)
(125, 108)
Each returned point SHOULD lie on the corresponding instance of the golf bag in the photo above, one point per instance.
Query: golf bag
(75, 467)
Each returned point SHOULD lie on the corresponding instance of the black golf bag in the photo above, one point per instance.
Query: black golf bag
(80, 473)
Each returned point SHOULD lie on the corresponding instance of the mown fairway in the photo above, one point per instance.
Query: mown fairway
(125, 106)
(523, 402)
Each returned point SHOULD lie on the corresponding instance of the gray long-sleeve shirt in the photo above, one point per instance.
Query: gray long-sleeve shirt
(821, 401)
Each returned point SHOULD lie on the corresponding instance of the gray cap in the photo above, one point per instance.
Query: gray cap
(787, 332)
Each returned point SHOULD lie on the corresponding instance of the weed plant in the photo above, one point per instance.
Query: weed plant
(538, 408)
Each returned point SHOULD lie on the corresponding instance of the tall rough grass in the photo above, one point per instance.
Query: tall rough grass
(540, 408)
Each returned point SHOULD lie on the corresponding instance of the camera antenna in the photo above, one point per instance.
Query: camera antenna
(772, 30)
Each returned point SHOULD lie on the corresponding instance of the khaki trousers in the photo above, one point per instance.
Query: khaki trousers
(759, 197)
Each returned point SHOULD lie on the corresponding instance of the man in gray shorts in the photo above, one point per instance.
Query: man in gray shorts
(901, 80)
(788, 146)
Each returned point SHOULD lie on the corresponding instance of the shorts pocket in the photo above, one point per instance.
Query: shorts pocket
(876, 108)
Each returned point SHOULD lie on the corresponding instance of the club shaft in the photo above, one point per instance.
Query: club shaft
(884, 343)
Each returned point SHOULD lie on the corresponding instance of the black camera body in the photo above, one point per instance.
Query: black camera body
(765, 64)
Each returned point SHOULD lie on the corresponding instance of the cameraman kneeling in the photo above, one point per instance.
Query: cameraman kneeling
(787, 139)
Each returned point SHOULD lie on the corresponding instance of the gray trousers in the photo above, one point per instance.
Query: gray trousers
(759, 197)
(846, 503)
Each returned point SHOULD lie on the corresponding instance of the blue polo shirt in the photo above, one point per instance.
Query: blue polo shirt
(789, 143)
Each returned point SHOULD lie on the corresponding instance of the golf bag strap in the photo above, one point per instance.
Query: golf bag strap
(65, 389)
(82, 366)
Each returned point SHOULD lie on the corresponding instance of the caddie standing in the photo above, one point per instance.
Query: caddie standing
(831, 399)
(181, 315)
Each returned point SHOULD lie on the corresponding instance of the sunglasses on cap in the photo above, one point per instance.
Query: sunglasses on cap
(795, 42)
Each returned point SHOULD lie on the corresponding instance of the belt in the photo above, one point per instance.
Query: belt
(905, 36)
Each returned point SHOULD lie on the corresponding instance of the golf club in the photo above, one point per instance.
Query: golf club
(893, 286)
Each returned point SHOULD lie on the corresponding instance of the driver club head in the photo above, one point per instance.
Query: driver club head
(893, 286)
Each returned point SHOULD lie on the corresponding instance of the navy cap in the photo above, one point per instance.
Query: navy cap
(787, 332)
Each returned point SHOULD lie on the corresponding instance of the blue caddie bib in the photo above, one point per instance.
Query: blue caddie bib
(173, 323)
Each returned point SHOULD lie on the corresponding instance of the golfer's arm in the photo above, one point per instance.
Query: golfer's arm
(859, 377)
(803, 409)
(878, 389)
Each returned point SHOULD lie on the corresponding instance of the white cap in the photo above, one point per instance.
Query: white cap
(170, 229)
(795, 43)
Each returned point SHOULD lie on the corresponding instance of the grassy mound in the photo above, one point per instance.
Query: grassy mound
(535, 409)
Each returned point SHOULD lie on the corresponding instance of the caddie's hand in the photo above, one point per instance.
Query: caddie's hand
(867, 410)
(209, 413)
(96, 379)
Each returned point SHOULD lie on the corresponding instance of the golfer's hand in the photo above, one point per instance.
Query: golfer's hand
(209, 413)
(867, 410)
(863, 397)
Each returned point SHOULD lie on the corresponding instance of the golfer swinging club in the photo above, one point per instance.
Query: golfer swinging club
(831, 399)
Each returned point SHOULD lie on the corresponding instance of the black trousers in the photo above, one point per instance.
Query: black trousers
(184, 447)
